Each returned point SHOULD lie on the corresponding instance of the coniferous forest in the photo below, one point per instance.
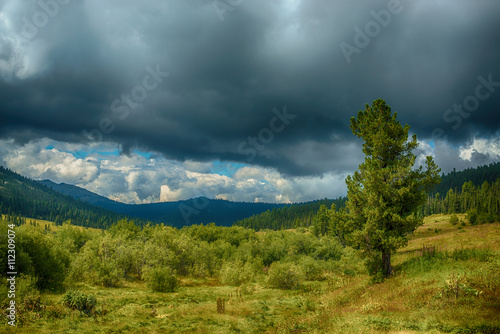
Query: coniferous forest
(292, 216)
(23, 197)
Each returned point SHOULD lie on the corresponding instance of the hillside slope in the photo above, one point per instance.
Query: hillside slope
(177, 214)
(21, 196)
(455, 179)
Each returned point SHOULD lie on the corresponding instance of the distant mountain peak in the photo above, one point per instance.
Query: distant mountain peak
(222, 212)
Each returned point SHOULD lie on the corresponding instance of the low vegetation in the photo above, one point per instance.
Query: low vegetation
(209, 279)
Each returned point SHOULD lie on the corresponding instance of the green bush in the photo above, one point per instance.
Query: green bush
(26, 292)
(108, 275)
(453, 219)
(236, 273)
(328, 249)
(472, 217)
(77, 300)
(97, 263)
(161, 279)
(350, 264)
(285, 276)
(312, 269)
(39, 256)
(26, 285)
(272, 247)
(484, 218)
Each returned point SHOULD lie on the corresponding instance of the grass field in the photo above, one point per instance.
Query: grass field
(454, 287)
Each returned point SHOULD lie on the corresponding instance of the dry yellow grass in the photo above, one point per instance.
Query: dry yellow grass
(450, 237)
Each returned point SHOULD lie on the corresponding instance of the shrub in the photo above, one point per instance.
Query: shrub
(312, 269)
(97, 263)
(350, 264)
(472, 217)
(161, 279)
(484, 217)
(109, 275)
(236, 273)
(77, 300)
(328, 249)
(272, 247)
(26, 286)
(38, 255)
(453, 219)
(32, 303)
(456, 286)
(285, 276)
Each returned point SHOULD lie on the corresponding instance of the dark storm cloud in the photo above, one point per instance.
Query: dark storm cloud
(226, 77)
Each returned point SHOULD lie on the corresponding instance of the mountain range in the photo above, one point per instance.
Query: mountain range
(21, 196)
(178, 214)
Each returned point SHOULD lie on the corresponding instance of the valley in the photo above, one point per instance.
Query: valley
(342, 299)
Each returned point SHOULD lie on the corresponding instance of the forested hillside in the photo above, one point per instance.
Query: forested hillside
(445, 198)
(474, 190)
(292, 216)
(481, 202)
(478, 175)
(177, 214)
(21, 196)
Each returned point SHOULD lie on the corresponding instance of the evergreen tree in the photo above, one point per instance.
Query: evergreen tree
(386, 192)
(322, 221)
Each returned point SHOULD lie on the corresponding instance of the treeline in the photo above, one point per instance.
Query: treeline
(482, 202)
(21, 196)
(478, 175)
(293, 216)
(304, 215)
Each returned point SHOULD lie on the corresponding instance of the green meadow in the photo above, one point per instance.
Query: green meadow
(447, 280)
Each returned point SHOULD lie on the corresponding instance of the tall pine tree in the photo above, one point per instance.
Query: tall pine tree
(386, 191)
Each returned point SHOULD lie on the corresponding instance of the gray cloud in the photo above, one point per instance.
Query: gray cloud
(227, 76)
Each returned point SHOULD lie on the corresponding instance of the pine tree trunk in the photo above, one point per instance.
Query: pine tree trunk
(386, 258)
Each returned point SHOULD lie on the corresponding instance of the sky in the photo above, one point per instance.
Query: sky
(244, 100)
